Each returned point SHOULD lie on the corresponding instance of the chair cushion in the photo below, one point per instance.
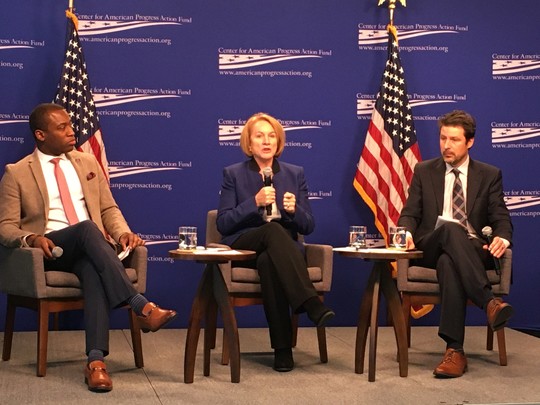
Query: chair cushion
(427, 275)
(63, 279)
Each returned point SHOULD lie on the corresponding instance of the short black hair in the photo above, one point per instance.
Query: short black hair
(39, 116)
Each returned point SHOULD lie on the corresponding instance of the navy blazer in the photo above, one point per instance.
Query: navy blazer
(238, 212)
(485, 199)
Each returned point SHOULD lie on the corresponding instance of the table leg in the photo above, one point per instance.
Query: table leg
(393, 301)
(210, 326)
(198, 309)
(230, 328)
(364, 319)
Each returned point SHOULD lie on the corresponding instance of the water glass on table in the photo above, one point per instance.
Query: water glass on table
(397, 237)
(357, 236)
(187, 238)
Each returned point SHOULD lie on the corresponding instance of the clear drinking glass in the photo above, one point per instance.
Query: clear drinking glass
(357, 236)
(397, 237)
(187, 237)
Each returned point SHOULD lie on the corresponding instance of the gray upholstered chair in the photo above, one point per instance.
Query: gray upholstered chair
(27, 284)
(244, 288)
(418, 286)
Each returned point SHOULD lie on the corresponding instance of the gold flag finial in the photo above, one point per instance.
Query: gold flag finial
(392, 6)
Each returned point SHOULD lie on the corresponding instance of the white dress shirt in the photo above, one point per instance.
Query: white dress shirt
(56, 217)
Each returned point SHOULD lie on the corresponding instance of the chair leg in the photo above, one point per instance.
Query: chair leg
(321, 337)
(489, 339)
(406, 306)
(8, 330)
(42, 338)
(501, 341)
(136, 339)
(294, 323)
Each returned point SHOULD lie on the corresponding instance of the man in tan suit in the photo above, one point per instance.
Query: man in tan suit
(58, 196)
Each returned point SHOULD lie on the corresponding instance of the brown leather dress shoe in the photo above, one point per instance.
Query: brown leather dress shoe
(454, 364)
(498, 313)
(97, 378)
(153, 317)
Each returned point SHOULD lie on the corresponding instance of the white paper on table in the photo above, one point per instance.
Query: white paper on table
(216, 251)
(369, 250)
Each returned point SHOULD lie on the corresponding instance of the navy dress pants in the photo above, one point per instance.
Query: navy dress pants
(105, 283)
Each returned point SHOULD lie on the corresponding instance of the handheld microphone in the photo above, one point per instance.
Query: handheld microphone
(488, 233)
(267, 175)
(57, 252)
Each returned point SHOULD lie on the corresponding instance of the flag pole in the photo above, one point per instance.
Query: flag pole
(70, 13)
(391, 8)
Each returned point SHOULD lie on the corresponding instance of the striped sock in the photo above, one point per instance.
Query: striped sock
(137, 303)
(94, 355)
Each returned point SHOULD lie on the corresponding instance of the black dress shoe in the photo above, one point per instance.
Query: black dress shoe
(283, 360)
(322, 316)
(317, 312)
(325, 317)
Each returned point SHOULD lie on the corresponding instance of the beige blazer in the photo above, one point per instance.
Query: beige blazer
(24, 201)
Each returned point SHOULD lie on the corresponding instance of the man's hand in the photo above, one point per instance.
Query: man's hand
(497, 247)
(43, 243)
(409, 244)
(131, 240)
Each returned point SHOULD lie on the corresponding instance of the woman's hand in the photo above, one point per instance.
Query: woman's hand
(289, 203)
(265, 196)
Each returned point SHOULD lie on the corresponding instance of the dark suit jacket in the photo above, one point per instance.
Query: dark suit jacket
(24, 201)
(485, 199)
(238, 212)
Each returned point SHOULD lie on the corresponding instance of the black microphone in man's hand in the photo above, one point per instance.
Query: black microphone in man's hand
(57, 252)
(488, 233)
(267, 176)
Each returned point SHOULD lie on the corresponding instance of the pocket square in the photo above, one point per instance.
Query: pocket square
(90, 176)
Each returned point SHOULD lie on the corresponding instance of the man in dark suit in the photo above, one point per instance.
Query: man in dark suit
(469, 195)
(75, 211)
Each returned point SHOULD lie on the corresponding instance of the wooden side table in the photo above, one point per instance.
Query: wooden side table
(211, 294)
(380, 278)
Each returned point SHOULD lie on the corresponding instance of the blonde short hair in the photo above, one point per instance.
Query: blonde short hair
(246, 133)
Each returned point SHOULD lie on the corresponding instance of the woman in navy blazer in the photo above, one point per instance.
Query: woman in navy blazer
(263, 207)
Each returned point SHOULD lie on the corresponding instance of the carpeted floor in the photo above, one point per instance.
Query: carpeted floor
(161, 381)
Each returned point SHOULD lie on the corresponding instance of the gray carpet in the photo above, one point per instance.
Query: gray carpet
(161, 381)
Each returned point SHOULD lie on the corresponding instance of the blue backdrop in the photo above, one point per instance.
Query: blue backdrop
(175, 80)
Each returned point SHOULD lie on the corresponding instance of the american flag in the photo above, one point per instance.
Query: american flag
(75, 96)
(390, 152)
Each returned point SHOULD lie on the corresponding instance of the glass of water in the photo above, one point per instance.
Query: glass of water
(187, 237)
(397, 237)
(357, 236)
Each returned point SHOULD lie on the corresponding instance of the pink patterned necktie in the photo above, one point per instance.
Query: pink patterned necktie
(65, 195)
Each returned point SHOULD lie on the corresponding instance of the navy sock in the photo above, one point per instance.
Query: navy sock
(137, 303)
(95, 354)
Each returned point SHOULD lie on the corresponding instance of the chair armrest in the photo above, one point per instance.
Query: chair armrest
(321, 256)
(22, 272)
(402, 270)
(506, 272)
(138, 260)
